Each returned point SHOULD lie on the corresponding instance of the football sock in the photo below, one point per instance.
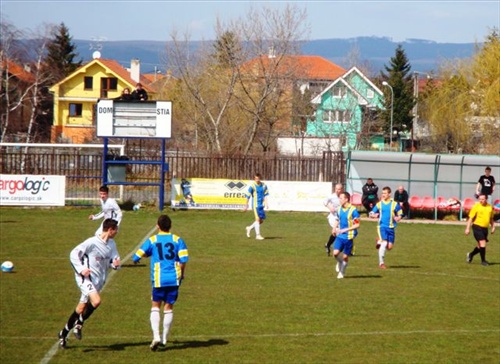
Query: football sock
(343, 266)
(155, 323)
(168, 317)
(340, 260)
(89, 310)
(257, 228)
(475, 251)
(331, 239)
(381, 252)
(71, 322)
(482, 253)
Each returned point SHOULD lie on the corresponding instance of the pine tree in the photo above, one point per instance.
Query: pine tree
(399, 77)
(61, 54)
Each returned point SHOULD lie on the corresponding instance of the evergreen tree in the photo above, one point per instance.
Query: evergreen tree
(227, 50)
(400, 78)
(61, 54)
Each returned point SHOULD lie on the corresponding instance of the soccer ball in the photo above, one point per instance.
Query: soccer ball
(7, 266)
(136, 207)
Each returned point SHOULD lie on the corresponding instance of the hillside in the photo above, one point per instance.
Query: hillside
(424, 55)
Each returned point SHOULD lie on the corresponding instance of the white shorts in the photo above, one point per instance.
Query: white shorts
(86, 287)
(332, 218)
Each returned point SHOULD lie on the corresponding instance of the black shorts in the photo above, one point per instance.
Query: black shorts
(480, 233)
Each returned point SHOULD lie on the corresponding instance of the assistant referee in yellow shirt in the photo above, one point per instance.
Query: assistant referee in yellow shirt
(480, 216)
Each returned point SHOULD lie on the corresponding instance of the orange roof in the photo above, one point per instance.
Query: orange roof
(313, 67)
(117, 68)
(18, 71)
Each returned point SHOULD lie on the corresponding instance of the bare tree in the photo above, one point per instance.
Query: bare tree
(234, 103)
(265, 87)
(15, 82)
(208, 82)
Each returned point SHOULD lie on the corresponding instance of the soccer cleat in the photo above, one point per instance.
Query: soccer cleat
(382, 266)
(77, 331)
(259, 237)
(485, 263)
(469, 258)
(327, 248)
(340, 275)
(248, 229)
(154, 345)
(62, 340)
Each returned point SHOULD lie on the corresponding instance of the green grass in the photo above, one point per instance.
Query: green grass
(248, 301)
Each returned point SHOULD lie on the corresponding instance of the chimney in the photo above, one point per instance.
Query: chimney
(135, 69)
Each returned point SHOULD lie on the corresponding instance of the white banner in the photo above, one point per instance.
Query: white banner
(203, 193)
(32, 190)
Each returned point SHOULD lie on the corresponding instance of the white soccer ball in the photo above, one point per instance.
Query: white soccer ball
(7, 266)
(136, 207)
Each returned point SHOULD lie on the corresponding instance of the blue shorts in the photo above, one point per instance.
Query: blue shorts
(344, 245)
(260, 213)
(386, 233)
(166, 294)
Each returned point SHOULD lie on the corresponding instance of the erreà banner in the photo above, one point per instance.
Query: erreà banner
(32, 190)
(201, 193)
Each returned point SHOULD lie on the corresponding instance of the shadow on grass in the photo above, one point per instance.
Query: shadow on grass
(113, 347)
(177, 344)
(171, 345)
(404, 267)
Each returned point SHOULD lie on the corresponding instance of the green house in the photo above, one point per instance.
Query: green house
(342, 107)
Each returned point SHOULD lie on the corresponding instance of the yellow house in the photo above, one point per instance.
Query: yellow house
(76, 96)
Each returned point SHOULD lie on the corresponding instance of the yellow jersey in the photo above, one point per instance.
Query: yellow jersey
(481, 215)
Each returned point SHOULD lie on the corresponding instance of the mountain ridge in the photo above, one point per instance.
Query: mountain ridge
(423, 55)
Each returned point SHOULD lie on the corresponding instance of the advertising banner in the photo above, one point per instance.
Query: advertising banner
(32, 190)
(201, 193)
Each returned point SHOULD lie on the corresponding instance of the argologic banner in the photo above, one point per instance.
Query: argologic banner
(231, 194)
(32, 190)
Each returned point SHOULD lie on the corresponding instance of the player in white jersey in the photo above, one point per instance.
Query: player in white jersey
(109, 208)
(91, 261)
(332, 203)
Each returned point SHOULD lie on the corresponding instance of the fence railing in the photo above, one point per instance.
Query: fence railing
(83, 169)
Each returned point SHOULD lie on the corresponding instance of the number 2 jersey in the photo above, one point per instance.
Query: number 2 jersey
(167, 251)
(97, 255)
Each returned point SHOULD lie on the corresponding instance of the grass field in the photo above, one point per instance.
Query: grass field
(248, 301)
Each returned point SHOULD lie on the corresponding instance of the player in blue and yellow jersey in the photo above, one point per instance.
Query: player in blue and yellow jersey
(389, 212)
(258, 193)
(346, 230)
(169, 255)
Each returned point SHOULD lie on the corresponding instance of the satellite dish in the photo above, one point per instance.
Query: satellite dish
(96, 55)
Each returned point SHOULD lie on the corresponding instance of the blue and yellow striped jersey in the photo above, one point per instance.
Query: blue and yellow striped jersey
(167, 252)
(258, 193)
(387, 211)
(348, 216)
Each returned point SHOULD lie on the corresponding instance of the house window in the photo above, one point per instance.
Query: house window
(108, 84)
(338, 91)
(328, 116)
(88, 83)
(331, 116)
(75, 109)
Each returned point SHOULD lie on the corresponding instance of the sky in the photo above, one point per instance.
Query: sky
(448, 21)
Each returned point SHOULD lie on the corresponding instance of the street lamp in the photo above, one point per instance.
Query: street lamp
(385, 83)
(415, 107)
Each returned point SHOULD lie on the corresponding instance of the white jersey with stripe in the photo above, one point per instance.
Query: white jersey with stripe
(97, 255)
(109, 210)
